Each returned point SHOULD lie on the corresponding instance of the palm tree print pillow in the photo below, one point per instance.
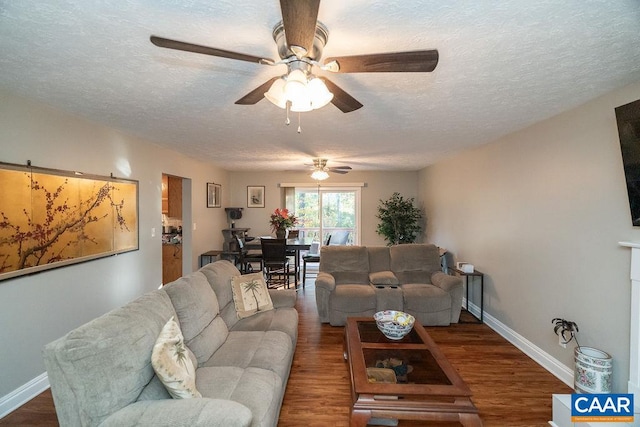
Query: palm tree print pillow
(172, 364)
(250, 294)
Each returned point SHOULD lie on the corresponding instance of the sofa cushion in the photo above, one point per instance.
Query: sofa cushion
(260, 390)
(184, 412)
(379, 258)
(414, 263)
(353, 298)
(172, 364)
(425, 298)
(219, 275)
(197, 308)
(347, 264)
(250, 294)
(281, 319)
(270, 350)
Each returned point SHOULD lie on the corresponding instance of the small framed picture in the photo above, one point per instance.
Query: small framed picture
(255, 196)
(214, 195)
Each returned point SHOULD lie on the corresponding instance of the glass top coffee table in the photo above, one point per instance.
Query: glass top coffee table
(425, 385)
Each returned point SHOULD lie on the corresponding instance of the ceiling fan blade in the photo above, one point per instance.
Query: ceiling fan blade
(341, 99)
(340, 171)
(299, 19)
(257, 94)
(404, 62)
(190, 47)
(333, 168)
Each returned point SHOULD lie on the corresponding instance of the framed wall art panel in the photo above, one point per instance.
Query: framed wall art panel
(51, 218)
(255, 196)
(214, 195)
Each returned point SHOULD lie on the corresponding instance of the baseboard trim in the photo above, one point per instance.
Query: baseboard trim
(23, 394)
(542, 358)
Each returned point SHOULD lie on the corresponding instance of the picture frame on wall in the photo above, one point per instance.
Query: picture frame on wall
(56, 218)
(255, 196)
(214, 195)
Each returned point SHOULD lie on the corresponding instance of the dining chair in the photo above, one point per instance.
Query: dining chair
(340, 237)
(245, 259)
(275, 262)
(312, 257)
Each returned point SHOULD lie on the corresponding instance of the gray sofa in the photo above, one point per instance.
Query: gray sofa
(101, 373)
(359, 281)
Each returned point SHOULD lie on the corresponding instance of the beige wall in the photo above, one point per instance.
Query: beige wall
(378, 185)
(35, 310)
(541, 213)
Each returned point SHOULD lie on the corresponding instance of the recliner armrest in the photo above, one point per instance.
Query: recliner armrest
(446, 282)
(284, 298)
(325, 281)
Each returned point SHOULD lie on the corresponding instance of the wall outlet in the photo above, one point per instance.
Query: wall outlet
(194, 226)
(153, 232)
(561, 343)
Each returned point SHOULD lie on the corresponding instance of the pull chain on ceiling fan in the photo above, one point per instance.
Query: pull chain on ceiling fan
(300, 39)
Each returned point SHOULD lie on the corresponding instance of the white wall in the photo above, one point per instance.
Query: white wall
(378, 185)
(35, 310)
(541, 212)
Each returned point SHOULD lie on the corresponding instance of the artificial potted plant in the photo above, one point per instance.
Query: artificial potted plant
(593, 368)
(399, 220)
(281, 220)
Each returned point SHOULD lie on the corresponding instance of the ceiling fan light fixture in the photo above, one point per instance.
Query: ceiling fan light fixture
(303, 90)
(319, 175)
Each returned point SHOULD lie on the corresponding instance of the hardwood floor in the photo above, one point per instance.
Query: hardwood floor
(508, 387)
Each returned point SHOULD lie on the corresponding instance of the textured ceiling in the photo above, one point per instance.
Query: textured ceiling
(503, 66)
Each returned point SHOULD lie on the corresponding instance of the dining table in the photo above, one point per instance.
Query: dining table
(296, 245)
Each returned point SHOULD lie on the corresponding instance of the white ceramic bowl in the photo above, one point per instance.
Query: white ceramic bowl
(394, 324)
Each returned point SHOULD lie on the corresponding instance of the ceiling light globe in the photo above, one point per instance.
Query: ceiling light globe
(319, 175)
(276, 95)
(320, 95)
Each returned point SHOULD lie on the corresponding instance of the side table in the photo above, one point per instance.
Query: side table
(472, 276)
(209, 255)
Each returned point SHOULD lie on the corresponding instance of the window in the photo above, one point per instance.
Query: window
(328, 211)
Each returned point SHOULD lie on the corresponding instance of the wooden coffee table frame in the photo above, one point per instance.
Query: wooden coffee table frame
(432, 402)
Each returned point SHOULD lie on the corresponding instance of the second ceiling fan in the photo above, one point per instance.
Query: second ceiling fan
(300, 39)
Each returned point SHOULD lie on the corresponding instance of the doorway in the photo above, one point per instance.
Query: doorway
(172, 228)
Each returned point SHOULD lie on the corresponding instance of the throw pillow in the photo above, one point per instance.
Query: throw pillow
(383, 278)
(250, 294)
(172, 364)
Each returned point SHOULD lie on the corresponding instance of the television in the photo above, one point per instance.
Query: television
(628, 119)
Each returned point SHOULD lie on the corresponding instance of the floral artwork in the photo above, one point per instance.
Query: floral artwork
(53, 218)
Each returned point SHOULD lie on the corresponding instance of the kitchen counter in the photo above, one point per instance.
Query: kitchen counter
(172, 239)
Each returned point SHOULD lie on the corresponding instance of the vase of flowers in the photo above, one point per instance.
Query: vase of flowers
(281, 220)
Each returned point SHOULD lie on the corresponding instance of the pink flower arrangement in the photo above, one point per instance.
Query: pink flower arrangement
(281, 219)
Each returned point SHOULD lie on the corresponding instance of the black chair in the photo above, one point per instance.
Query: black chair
(313, 256)
(245, 259)
(275, 262)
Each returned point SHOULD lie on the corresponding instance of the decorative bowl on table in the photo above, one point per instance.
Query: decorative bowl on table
(394, 324)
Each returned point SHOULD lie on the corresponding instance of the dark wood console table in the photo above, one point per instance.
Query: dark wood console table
(472, 276)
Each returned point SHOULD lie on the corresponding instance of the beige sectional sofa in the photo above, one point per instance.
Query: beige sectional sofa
(359, 281)
(101, 373)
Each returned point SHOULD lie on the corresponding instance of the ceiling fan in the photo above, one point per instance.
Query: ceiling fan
(300, 39)
(321, 170)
